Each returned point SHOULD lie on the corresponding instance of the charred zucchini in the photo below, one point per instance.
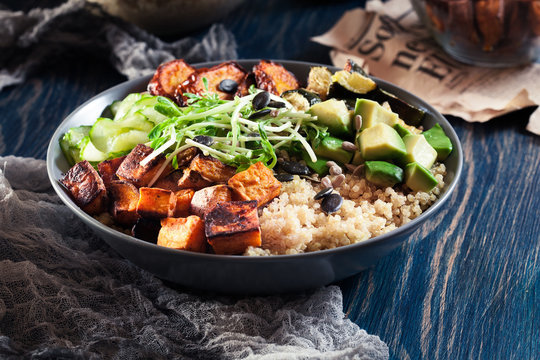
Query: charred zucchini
(319, 81)
(301, 99)
(350, 85)
(407, 112)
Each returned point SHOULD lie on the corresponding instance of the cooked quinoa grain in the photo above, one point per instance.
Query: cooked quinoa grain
(294, 222)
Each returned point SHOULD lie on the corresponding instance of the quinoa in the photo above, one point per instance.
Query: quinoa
(294, 222)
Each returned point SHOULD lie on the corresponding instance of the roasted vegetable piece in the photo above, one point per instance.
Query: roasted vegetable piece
(215, 75)
(124, 196)
(183, 202)
(206, 199)
(170, 181)
(245, 84)
(86, 187)
(168, 77)
(131, 170)
(107, 169)
(212, 169)
(183, 234)
(319, 81)
(274, 78)
(146, 229)
(155, 203)
(301, 99)
(233, 226)
(192, 179)
(255, 183)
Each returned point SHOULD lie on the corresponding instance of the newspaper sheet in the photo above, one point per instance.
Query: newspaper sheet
(389, 40)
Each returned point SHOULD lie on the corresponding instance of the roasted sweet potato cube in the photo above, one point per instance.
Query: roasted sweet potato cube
(192, 180)
(215, 75)
(245, 84)
(86, 188)
(231, 227)
(206, 199)
(124, 196)
(131, 169)
(107, 169)
(183, 234)
(183, 202)
(274, 78)
(212, 169)
(256, 183)
(155, 202)
(168, 77)
(170, 181)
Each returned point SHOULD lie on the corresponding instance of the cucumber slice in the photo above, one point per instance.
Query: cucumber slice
(70, 143)
(125, 105)
(135, 121)
(103, 132)
(152, 115)
(90, 152)
(127, 141)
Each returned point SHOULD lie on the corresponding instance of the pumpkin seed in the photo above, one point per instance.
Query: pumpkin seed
(261, 100)
(293, 167)
(260, 114)
(204, 140)
(324, 192)
(284, 177)
(331, 203)
(228, 86)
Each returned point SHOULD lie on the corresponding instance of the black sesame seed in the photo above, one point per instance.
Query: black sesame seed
(261, 100)
(331, 203)
(204, 140)
(229, 86)
(324, 192)
(276, 104)
(260, 114)
(284, 177)
(293, 167)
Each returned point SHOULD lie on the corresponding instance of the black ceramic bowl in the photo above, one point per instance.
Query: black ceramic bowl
(242, 274)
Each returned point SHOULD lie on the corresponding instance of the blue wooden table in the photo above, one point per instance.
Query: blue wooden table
(466, 285)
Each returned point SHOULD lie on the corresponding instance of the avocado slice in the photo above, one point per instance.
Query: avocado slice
(402, 130)
(383, 173)
(318, 166)
(334, 114)
(418, 150)
(373, 113)
(437, 138)
(330, 148)
(418, 178)
(380, 142)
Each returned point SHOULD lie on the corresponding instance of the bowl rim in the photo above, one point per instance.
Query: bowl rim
(88, 219)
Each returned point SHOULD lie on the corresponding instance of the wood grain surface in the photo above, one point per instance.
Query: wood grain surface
(464, 286)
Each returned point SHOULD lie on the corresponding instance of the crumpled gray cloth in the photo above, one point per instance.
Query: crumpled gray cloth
(64, 293)
(28, 40)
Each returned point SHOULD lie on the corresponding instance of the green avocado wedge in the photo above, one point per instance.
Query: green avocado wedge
(437, 138)
(335, 115)
(383, 173)
(380, 142)
(418, 178)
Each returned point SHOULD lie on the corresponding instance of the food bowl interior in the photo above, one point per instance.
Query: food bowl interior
(242, 274)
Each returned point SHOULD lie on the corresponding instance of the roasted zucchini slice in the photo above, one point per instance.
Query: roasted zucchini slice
(301, 99)
(407, 112)
(347, 85)
(274, 78)
(319, 81)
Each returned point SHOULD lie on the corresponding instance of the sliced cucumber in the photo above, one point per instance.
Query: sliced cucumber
(103, 132)
(125, 105)
(127, 141)
(135, 121)
(70, 143)
(90, 152)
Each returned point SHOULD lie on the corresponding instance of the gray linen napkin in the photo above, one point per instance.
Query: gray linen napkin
(28, 40)
(64, 293)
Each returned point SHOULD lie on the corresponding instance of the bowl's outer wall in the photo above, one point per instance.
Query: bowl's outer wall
(239, 274)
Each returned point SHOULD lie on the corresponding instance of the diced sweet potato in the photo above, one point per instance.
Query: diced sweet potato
(215, 75)
(206, 199)
(183, 202)
(170, 181)
(131, 170)
(192, 180)
(274, 78)
(86, 187)
(183, 234)
(155, 203)
(146, 229)
(255, 183)
(107, 169)
(168, 76)
(231, 227)
(212, 169)
(124, 196)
